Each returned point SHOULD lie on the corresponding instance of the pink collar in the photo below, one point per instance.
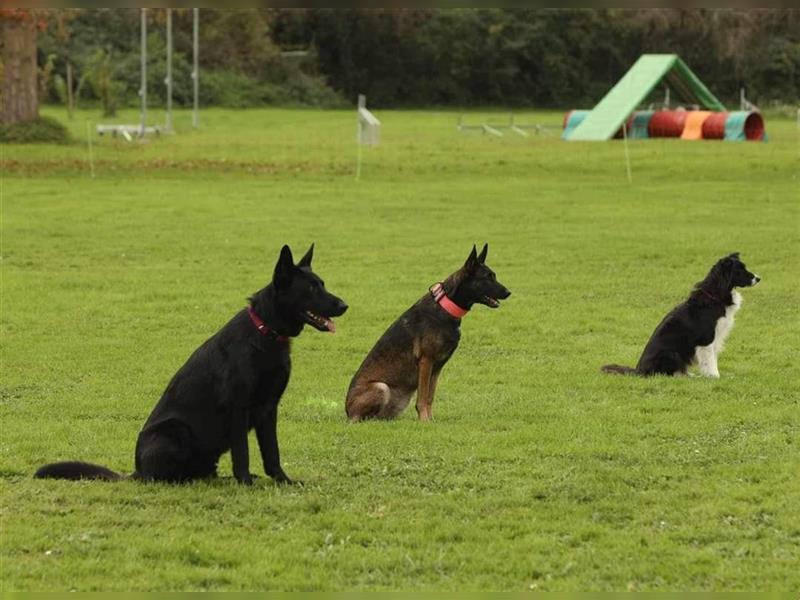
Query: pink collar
(263, 328)
(450, 307)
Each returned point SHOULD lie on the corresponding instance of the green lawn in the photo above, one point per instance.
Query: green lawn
(538, 472)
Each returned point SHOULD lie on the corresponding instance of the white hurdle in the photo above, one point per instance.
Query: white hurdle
(368, 132)
(369, 127)
(497, 129)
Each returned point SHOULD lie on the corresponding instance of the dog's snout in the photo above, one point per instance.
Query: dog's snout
(756, 279)
(342, 307)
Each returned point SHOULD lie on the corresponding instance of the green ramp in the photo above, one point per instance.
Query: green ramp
(646, 73)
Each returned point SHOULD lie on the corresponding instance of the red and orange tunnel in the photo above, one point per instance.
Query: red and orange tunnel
(684, 124)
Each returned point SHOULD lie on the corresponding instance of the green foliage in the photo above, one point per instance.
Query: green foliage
(541, 57)
(100, 74)
(60, 86)
(404, 57)
(236, 90)
(538, 472)
(240, 65)
(45, 78)
(782, 67)
(44, 130)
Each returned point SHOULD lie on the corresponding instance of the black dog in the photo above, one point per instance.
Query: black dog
(231, 384)
(409, 356)
(696, 329)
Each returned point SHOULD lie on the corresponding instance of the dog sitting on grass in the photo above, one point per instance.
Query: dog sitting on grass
(412, 352)
(695, 330)
(230, 385)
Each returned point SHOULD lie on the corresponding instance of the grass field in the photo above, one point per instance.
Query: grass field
(538, 471)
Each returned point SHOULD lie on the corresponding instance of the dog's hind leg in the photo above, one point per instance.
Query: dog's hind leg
(398, 401)
(369, 401)
(166, 453)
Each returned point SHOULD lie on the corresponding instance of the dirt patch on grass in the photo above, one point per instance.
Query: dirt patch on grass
(62, 166)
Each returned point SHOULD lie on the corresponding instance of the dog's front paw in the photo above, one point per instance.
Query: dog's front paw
(711, 374)
(284, 480)
(245, 479)
(424, 414)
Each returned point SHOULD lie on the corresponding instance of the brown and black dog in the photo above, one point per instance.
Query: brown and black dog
(412, 352)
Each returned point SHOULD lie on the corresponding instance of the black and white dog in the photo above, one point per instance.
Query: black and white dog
(695, 330)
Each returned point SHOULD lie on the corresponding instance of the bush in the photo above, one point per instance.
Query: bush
(234, 90)
(43, 130)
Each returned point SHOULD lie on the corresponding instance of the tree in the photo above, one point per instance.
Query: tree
(19, 101)
(63, 35)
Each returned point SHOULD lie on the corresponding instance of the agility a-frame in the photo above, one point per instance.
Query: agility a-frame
(610, 113)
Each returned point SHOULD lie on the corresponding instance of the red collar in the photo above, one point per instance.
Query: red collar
(709, 295)
(450, 307)
(263, 328)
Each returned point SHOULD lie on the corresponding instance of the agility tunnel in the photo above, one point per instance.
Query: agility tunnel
(734, 126)
(571, 120)
(667, 124)
(636, 124)
(706, 125)
(693, 124)
(639, 124)
(684, 124)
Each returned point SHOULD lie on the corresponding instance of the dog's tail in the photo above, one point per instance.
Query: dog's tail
(76, 470)
(619, 370)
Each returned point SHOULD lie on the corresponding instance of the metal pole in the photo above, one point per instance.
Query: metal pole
(143, 88)
(168, 80)
(195, 68)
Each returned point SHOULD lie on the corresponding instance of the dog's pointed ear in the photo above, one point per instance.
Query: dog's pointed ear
(734, 255)
(484, 252)
(306, 260)
(472, 259)
(284, 267)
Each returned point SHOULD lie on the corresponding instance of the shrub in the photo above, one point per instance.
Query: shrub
(43, 130)
(234, 90)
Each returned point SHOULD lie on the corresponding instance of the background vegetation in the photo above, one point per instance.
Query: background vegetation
(539, 472)
(421, 57)
(43, 129)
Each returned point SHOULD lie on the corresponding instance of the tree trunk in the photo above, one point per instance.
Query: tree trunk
(19, 97)
(70, 102)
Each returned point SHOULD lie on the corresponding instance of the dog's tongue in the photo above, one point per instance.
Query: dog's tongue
(330, 325)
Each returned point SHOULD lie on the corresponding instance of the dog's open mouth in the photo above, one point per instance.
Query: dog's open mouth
(491, 302)
(319, 322)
